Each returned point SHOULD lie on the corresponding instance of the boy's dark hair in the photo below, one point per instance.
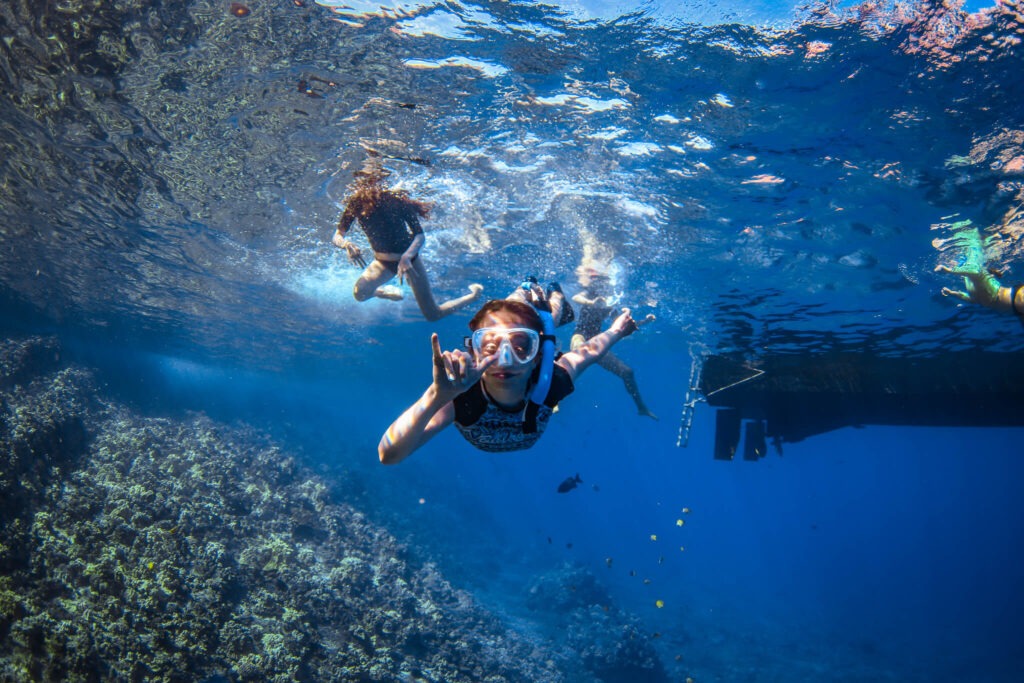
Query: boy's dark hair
(523, 311)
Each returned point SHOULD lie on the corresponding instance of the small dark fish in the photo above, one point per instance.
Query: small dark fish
(569, 484)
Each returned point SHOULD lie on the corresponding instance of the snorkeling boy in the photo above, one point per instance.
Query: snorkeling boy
(390, 220)
(501, 392)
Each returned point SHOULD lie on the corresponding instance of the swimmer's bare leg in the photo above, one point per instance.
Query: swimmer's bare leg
(420, 283)
(623, 371)
(555, 299)
(369, 283)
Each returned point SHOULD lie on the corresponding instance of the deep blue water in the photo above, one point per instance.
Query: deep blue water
(760, 190)
(878, 553)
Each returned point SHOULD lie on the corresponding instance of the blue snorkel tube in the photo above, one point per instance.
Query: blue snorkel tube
(547, 347)
(547, 359)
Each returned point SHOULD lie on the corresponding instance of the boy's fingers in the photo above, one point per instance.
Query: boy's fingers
(435, 346)
(487, 362)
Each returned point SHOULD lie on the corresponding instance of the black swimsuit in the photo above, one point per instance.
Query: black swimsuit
(390, 227)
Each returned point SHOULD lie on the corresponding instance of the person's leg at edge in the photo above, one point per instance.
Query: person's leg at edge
(618, 367)
(420, 283)
(369, 283)
(556, 300)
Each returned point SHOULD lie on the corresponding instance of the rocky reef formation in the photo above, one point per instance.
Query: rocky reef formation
(151, 549)
(610, 644)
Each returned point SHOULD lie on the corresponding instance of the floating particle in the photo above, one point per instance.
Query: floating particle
(686, 511)
(659, 603)
(680, 522)
(682, 549)
(907, 274)
(239, 10)
(654, 537)
(423, 501)
(608, 561)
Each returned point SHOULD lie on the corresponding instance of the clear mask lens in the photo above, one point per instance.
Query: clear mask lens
(516, 345)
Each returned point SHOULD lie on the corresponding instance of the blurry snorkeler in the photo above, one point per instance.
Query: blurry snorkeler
(502, 390)
(391, 221)
(596, 304)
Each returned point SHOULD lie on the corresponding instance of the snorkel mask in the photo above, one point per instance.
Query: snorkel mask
(512, 345)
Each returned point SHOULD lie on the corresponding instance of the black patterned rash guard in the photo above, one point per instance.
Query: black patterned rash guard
(496, 430)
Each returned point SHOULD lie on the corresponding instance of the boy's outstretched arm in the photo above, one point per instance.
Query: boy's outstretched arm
(454, 373)
(594, 349)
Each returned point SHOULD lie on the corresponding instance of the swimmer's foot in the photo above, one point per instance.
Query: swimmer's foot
(389, 292)
(476, 289)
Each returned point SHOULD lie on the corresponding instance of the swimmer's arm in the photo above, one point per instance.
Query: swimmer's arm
(583, 300)
(415, 427)
(454, 373)
(595, 348)
(414, 248)
(983, 288)
(348, 216)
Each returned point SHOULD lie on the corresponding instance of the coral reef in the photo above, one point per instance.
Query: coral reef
(165, 550)
(609, 643)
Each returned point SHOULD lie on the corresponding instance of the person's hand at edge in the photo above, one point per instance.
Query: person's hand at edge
(404, 266)
(981, 286)
(624, 325)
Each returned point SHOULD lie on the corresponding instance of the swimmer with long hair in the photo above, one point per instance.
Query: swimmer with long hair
(391, 221)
